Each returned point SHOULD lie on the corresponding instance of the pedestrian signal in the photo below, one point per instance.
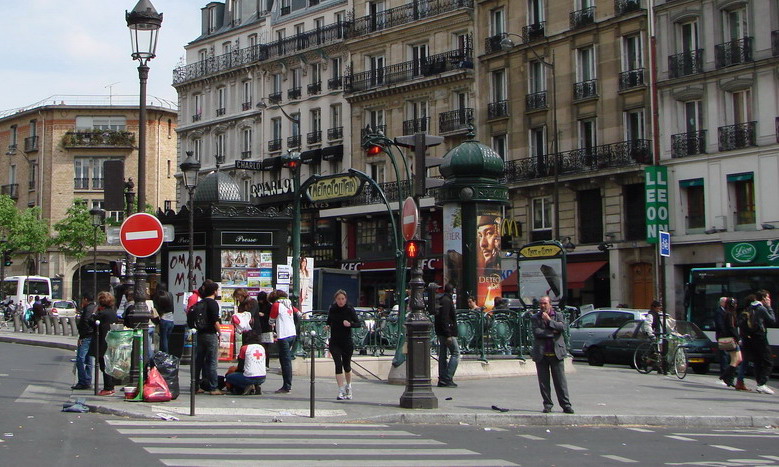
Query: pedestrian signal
(373, 150)
(414, 249)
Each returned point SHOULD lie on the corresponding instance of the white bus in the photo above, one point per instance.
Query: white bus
(20, 288)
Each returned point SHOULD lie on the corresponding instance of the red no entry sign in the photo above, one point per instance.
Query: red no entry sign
(410, 217)
(141, 235)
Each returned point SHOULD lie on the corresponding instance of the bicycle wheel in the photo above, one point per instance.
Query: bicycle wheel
(643, 359)
(680, 362)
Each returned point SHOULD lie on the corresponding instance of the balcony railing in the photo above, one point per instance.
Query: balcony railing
(274, 97)
(314, 88)
(314, 137)
(775, 43)
(293, 93)
(733, 52)
(31, 144)
(98, 138)
(623, 7)
(285, 10)
(416, 125)
(740, 135)
(320, 37)
(583, 17)
(246, 154)
(274, 145)
(97, 183)
(455, 120)
(293, 141)
(631, 79)
(335, 83)
(498, 109)
(369, 195)
(688, 144)
(246, 106)
(622, 154)
(536, 101)
(335, 133)
(81, 183)
(405, 14)
(196, 117)
(408, 71)
(585, 90)
(11, 190)
(534, 31)
(492, 43)
(220, 112)
(689, 62)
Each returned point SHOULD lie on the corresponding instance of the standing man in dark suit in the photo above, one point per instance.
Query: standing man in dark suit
(549, 354)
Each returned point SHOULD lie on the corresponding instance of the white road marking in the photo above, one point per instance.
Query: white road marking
(732, 435)
(726, 448)
(532, 437)
(172, 429)
(245, 412)
(641, 430)
(274, 441)
(205, 423)
(200, 462)
(773, 458)
(619, 459)
(35, 394)
(679, 438)
(142, 235)
(572, 447)
(284, 451)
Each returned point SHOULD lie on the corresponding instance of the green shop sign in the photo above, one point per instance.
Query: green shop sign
(764, 252)
(656, 189)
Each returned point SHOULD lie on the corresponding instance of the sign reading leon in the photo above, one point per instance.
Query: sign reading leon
(141, 235)
(656, 189)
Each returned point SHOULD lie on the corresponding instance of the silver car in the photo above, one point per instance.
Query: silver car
(597, 325)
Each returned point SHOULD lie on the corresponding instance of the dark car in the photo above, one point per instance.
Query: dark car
(620, 346)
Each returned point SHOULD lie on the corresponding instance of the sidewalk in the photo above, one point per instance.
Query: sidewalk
(611, 395)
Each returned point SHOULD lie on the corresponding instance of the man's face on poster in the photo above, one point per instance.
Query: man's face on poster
(489, 241)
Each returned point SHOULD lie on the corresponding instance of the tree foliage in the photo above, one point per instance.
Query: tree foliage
(75, 233)
(24, 230)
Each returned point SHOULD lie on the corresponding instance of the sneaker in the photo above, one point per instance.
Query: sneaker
(764, 389)
(451, 384)
(257, 390)
(106, 392)
(341, 396)
(442, 384)
(348, 392)
(722, 382)
(200, 391)
(740, 386)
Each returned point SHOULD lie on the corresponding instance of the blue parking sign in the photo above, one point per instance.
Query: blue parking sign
(665, 244)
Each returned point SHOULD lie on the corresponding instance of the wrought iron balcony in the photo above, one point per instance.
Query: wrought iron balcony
(455, 120)
(274, 145)
(285, 10)
(97, 183)
(11, 190)
(293, 93)
(405, 14)
(740, 135)
(533, 32)
(314, 137)
(220, 112)
(688, 144)
(623, 7)
(583, 17)
(416, 125)
(369, 195)
(274, 97)
(687, 63)
(246, 106)
(31, 144)
(246, 154)
(631, 79)
(335, 133)
(585, 90)
(335, 83)
(196, 117)
(98, 138)
(409, 71)
(775, 43)
(581, 161)
(314, 88)
(81, 183)
(498, 109)
(536, 101)
(293, 141)
(733, 52)
(492, 43)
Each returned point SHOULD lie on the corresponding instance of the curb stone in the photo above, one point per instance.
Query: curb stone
(37, 343)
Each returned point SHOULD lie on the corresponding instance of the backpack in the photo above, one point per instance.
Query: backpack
(198, 317)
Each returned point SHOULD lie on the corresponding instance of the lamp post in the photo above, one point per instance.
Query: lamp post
(507, 44)
(190, 170)
(98, 218)
(144, 23)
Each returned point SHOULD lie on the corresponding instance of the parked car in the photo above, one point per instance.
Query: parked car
(620, 346)
(63, 309)
(598, 324)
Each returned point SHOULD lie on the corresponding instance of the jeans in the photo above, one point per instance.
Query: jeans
(206, 360)
(446, 369)
(85, 364)
(240, 381)
(285, 359)
(166, 328)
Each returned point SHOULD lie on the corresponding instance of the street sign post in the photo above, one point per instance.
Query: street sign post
(141, 235)
(410, 217)
(665, 244)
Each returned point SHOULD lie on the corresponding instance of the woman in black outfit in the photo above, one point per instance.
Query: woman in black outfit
(261, 325)
(341, 318)
(725, 322)
(106, 314)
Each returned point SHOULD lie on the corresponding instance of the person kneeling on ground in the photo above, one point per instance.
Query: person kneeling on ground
(251, 366)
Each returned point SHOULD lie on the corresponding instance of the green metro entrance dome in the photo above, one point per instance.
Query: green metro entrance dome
(472, 172)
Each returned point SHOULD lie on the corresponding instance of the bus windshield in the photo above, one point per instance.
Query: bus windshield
(707, 285)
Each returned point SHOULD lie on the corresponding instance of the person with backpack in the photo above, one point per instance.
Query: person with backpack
(204, 317)
(446, 330)
(753, 322)
(282, 320)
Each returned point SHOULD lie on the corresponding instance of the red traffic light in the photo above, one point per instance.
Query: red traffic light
(373, 150)
(292, 164)
(414, 248)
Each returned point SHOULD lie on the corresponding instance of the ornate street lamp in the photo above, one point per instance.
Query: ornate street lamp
(98, 219)
(190, 170)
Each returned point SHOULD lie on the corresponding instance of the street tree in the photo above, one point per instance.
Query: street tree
(24, 231)
(75, 234)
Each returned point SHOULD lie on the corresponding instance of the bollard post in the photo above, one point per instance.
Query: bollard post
(18, 326)
(313, 371)
(97, 355)
(73, 327)
(192, 373)
(139, 336)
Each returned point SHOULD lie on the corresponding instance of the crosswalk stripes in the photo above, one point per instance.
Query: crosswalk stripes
(204, 443)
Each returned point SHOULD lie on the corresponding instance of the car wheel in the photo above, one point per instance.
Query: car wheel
(701, 369)
(595, 357)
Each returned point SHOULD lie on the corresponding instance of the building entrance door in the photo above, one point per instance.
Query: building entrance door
(642, 285)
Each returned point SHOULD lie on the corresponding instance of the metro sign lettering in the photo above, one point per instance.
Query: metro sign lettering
(656, 190)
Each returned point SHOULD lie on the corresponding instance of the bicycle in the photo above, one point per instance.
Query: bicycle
(648, 356)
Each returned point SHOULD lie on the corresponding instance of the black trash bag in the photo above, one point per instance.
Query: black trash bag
(168, 366)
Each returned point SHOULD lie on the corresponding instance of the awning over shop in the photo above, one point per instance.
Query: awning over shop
(333, 153)
(313, 156)
(742, 177)
(691, 183)
(509, 284)
(578, 273)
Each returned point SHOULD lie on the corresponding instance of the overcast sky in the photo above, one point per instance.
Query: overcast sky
(64, 47)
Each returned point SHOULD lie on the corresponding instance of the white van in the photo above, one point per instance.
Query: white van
(19, 288)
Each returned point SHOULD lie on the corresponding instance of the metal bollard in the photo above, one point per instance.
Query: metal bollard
(73, 327)
(41, 327)
(18, 327)
(186, 351)
(97, 355)
(192, 373)
(63, 322)
(313, 367)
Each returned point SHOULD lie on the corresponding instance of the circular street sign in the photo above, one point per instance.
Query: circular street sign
(410, 216)
(141, 235)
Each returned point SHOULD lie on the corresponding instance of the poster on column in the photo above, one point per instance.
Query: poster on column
(178, 267)
(453, 245)
(488, 268)
(306, 283)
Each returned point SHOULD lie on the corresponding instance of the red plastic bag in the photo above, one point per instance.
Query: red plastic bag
(156, 389)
